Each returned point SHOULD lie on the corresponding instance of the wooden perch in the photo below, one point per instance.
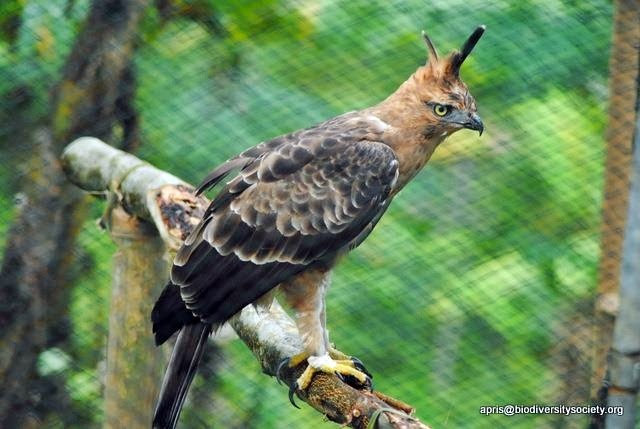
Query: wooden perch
(168, 202)
(131, 379)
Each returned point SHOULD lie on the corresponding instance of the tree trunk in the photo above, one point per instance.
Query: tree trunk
(624, 358)
(622, 90)
(140, 270)
(34, 276)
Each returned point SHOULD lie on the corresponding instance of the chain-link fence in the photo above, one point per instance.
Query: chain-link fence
(476, 288)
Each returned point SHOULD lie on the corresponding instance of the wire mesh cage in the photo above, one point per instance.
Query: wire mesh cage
(477, 287)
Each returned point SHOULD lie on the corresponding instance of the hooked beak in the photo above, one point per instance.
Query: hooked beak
(474, 122)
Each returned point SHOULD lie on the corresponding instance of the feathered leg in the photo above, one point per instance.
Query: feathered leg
(306, 295)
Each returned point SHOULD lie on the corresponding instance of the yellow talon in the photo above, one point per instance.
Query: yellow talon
(329, 366)
(298, 359)
(334, 362)
(337, 355)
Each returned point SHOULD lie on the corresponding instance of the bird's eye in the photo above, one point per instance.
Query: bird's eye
(441, 109)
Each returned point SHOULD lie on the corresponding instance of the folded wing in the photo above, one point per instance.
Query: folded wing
(297, 202)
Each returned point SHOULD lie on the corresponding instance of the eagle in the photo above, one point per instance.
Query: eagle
(293, 207)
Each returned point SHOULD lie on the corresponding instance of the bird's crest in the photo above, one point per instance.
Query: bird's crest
(450, 65)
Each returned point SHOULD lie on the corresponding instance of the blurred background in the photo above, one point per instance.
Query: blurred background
(478, 287)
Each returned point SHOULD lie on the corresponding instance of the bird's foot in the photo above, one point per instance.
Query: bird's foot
(348, 369)
(337, 355)
(343, 368)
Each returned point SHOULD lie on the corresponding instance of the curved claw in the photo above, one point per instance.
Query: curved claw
(357, 384)
(357, 364)
(369, 383)
(293, 389)
(284, 362)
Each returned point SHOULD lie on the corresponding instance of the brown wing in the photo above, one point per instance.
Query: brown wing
(297, 204)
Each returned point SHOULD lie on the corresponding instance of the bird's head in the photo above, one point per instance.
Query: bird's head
(435, 99)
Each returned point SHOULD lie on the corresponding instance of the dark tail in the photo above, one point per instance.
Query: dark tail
(185, 358)
(169, 314)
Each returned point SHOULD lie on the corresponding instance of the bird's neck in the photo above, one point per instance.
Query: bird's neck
(406, 133)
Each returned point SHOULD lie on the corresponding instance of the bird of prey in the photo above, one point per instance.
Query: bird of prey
(294, 205)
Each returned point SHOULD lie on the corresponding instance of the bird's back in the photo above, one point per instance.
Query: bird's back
(296, 202)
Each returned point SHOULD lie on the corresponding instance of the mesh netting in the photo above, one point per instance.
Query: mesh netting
(477, 286)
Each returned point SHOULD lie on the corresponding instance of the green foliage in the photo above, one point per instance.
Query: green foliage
(455, 300)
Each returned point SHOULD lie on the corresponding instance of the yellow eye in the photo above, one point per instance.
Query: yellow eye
(440, 109)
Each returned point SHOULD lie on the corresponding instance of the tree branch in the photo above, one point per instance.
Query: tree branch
(168, 202)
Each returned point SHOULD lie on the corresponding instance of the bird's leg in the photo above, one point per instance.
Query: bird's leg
(334, 353)
(306, 295)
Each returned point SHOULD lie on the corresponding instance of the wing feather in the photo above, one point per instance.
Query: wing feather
(298, 201)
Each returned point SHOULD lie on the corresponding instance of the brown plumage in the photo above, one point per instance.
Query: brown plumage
(297, 203)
